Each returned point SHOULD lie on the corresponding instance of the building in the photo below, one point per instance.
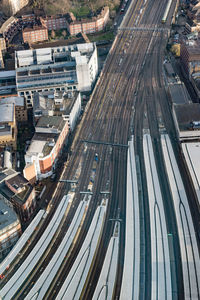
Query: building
(190, 58)
(66, 69)
(8, 127)
(67, 105)
(1, 60)
(10, 28)
(2, 44)
(179, 94)
(187, 121)
(20, 107)
(35, 34)
(15, 5)
(29, 19)
(46, 145)
(10, 227)
(8, 83)
(54, 22)
(87, 26)
(19, 192)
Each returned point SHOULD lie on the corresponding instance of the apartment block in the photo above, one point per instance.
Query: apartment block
(35, 34)
(46, 145)
(65, 69)
(88, 26)
(190, 57)
(54, 22)
(10, 28)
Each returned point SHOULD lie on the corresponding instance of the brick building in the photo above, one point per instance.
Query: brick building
(46, 145)
(88, 25)
(54, 22)
(35, 34)
(18, 191)
(190, 58)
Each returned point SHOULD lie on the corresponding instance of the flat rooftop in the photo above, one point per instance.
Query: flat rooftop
(46, 56)
(18, 101)
(7, 113)
(55, 122)
(186, 113)
(7, 215)
(179, 94)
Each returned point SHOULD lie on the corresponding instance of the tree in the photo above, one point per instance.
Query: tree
(64, 33)
(53, 34)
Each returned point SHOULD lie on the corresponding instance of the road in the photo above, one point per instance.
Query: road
(129, 96)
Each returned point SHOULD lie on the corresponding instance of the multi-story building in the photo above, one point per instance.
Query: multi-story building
(15, 5)
(28, 19)
(8, 83)
(8, 127)
(20, 107)
(10, 28)
(87, 26)
(46, 145)
(67, 105)
(54, 22)
(190, 57)
(65, 69)
(2, 44)
(35, 34)
(10, 227)
(1, 60)
(18, 191)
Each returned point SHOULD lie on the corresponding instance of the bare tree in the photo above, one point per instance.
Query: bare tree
(53, 34)
(64, 33)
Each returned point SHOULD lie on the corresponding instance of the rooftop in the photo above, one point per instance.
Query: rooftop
(34, 28)
(7, 23)
(193, 50)
(187, 113)
(179, 94)
(7, 113)
(18, 101)
(7, 74)
(16, 180)
(62, 56)
(55, 122)
(7, 215)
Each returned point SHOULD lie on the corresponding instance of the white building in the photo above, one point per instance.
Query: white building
(67, 105)
(67, 68)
